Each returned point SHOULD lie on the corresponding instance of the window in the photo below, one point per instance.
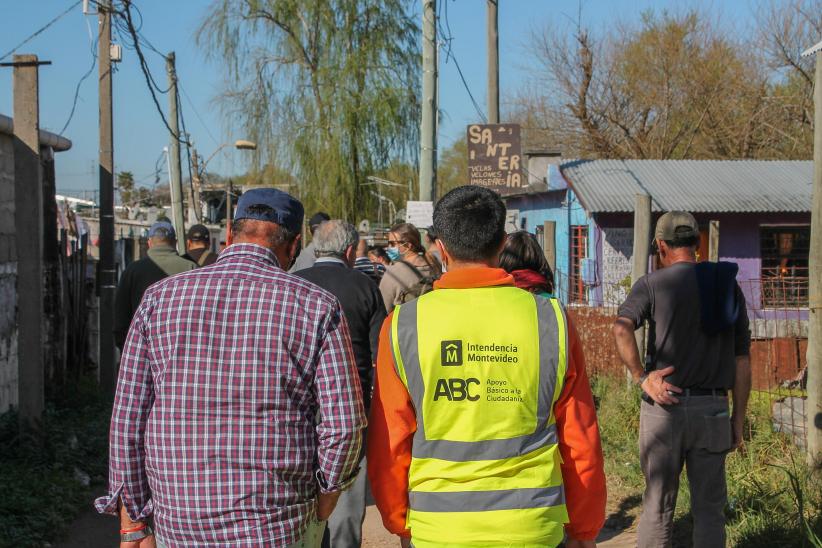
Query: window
(784, 272)
(577, 292)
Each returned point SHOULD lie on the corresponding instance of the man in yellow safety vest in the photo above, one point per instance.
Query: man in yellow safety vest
(483, 429)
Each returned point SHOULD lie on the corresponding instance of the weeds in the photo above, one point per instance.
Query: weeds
(765, 507)
(49, 477)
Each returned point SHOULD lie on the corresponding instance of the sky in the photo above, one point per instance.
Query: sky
(170, 25)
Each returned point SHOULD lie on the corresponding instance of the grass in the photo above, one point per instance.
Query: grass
(768, 482)
(45, 476)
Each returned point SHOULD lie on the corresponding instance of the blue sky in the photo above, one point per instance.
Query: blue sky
(170, 26)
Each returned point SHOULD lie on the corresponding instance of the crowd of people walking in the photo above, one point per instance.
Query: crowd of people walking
(265, 391)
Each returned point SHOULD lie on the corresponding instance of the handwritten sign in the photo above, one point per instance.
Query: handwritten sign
(419, 214)
(494, 157)
(617, 250)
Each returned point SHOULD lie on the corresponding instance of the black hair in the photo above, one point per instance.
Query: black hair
(470, 221)
(379, 251)
(523, 252)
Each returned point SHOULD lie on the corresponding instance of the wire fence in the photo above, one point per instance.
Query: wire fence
(779, 340)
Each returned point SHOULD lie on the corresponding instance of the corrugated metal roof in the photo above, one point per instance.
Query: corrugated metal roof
(692, 185)
(811, 50)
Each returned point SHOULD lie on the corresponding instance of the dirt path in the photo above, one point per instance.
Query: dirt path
(92, 530)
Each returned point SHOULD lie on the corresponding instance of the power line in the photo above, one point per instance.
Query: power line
(80, 83)
(197, 113)
(40, 30)
(450, 55)
(127, 18)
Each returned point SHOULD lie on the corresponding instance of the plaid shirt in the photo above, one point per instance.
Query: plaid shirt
(238, 399)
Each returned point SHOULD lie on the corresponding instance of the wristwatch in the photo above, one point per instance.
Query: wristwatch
(642, 378)
(137, 535)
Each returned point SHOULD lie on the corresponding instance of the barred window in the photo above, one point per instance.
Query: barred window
(784, 252)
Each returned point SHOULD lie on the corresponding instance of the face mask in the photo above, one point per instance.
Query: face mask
(393, 253)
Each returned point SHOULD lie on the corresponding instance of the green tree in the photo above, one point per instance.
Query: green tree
(327, 88)
(125, 184)
(452, 168)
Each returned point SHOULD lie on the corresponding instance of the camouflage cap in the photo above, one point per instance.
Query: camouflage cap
(676, 224)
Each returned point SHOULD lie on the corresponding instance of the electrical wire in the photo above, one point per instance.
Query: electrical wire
(197, 113)
(450, 55)
(188, 152)
(79, 84)
(152, 86)
(40, 30)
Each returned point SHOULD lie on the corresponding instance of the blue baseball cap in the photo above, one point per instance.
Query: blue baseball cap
(162, 229)
(271, 205)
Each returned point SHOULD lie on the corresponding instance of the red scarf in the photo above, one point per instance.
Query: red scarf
(530, 280)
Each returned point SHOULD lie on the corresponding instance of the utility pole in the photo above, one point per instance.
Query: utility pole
(176, 171)
(28, 227)
(428, 134)
(713, 242)
(642, 244)
(107, 273)
(549, 244)
(493, 62)
(814, 403)
(195, 189)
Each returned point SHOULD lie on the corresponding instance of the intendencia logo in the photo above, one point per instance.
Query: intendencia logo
(451, 352)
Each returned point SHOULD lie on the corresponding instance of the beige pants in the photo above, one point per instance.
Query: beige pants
(695, 433)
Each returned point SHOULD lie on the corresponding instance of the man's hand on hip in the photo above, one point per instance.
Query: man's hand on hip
(326, 503)
(658, 389)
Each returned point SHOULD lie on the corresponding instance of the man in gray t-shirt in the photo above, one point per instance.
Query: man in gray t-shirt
(698, 350)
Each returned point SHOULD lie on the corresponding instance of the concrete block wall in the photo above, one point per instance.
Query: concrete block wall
(8, 279)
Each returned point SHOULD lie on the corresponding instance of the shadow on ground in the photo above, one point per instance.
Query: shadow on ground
(621, 519)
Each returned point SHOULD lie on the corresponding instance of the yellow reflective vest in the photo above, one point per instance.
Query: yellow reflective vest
(484, 368)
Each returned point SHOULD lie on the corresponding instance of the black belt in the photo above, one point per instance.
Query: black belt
(704, 392)
(690, 392)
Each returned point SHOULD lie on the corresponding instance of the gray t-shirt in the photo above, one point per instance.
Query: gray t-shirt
(669, 299)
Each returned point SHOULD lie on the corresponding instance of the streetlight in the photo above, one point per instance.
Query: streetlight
(240, 144)
(379, 183)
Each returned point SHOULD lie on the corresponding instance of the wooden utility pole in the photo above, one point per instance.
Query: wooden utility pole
(493, 62)
(107, 273)
(196, 180)
(428, 133)
(549, 244)
(176, 170)
(713, 242)
(28, 227)
(642, 245)
(814, 402)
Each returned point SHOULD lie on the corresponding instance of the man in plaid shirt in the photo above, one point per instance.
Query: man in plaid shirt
(238, 416)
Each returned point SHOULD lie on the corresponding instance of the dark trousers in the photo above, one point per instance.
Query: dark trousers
(695, 433)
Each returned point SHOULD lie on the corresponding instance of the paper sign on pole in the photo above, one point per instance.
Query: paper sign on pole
(419, 214)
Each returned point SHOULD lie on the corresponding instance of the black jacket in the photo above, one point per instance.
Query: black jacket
(363, 308)
(162, 262)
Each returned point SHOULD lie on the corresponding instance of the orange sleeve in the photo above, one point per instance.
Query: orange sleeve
(582, 464)
(391, 428)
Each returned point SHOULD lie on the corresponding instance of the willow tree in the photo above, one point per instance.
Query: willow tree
(327, 88)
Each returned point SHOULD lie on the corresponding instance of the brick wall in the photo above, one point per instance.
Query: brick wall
(8, 279)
